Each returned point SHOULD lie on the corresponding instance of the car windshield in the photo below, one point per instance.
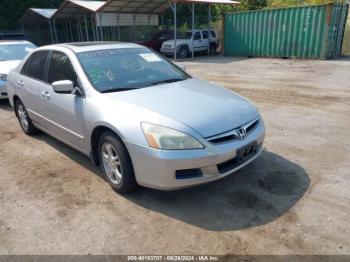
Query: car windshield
(116, 70)
(15, 51)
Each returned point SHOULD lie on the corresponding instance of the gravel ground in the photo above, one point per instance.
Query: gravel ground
(294, 199)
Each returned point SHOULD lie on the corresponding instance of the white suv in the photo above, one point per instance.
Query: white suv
(202, 40)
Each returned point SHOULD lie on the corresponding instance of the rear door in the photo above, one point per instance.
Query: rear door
(64, 112)
(31, 83)
(205, 36)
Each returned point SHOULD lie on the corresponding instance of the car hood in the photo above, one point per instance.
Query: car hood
(6, 66)
(178, 42)
(208, 109)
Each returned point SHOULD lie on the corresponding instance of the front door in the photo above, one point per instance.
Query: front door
(64, 112)
(198, 42)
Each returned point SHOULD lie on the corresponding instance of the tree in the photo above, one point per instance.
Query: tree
(288, 3)
(12, 10)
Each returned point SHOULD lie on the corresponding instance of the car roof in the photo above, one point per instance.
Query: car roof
(14, 42)
(80, 47)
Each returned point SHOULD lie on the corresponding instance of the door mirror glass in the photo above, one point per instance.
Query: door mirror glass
(63, 87)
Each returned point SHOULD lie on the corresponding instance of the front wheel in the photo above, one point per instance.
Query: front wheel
(24, 120)
(116, 164)
(183, 52)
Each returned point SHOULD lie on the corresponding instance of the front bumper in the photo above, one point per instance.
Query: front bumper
(3, 90)
(159, 168)
(167, 51)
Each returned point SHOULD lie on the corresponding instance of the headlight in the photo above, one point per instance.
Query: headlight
(160, 137)
(3, 77)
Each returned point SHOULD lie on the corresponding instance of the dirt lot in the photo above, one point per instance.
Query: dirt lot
(294, 199)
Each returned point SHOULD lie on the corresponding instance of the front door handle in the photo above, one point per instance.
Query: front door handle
(46, 95)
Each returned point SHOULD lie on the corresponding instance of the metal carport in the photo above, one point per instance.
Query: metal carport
(157, 7)
(39, 15)
(83, 12)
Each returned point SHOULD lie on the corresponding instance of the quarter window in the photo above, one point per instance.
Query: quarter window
(34, 67)
(61, 69)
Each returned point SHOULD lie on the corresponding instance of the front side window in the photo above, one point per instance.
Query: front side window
(34, 67)
(15, 51)
(197, 36)
(61, 69)
(212, 33)
(116, 70)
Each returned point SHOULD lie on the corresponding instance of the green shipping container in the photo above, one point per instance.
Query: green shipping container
(314, 32)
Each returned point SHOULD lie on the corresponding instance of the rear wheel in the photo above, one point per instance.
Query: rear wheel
(116, 164)
(24, 120)
(212, 49)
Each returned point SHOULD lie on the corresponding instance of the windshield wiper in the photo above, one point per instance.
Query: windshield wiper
(167, 81)
(118, 90)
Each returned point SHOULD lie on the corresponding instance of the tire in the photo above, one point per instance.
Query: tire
(212, 50)
(183, 52)
(24, 120)
(116, 164)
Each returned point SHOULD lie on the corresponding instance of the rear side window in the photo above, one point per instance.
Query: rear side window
(205, 34)
(35, 65)
(61, 69)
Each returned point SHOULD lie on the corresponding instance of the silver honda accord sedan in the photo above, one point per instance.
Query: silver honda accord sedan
(143, 119)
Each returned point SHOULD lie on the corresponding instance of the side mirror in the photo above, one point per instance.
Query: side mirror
(63, 87)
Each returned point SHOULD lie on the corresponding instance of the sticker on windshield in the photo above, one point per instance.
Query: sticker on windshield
(150, 57)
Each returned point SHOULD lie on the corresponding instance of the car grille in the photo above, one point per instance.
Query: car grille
(232, 135)
(167, 46)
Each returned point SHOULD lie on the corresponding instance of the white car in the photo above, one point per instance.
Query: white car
(201, 40)
(11, 54)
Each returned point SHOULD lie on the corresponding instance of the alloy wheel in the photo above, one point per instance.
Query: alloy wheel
(111, 163)
(23, 117)
(183, 53)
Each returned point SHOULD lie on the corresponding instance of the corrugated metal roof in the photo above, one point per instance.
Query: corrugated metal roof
(150, 6)
(45, 12)
(38, 14)
(91, 5)
(71, 8)
(221, 2)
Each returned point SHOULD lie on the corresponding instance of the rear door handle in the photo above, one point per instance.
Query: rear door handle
(46, 95)
(20, 83)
